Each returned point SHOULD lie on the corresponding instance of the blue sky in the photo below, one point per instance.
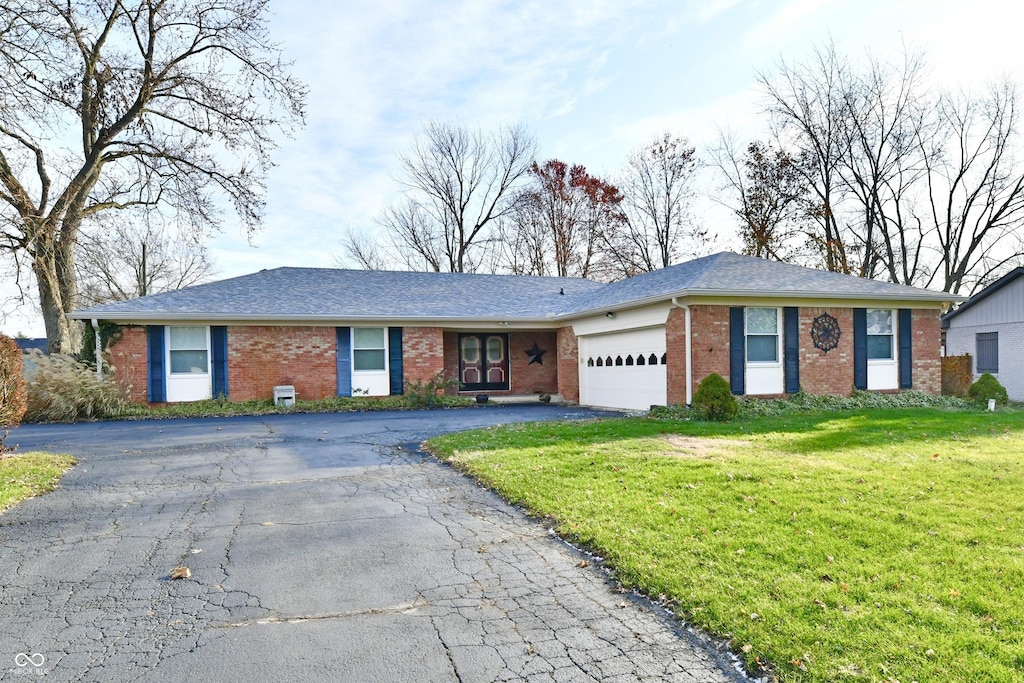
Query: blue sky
(593, 80)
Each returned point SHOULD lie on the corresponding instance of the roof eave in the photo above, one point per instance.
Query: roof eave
(156, 317)
(930, 297)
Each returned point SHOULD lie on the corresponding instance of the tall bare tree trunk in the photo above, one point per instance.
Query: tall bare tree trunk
(54, 268)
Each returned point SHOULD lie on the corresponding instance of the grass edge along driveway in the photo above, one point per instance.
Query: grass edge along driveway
(882, 545)
(26, 475)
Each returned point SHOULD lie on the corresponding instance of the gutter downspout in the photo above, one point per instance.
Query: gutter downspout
(689, 350)
(99, 350)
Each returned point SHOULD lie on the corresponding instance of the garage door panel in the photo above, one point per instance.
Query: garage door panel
(624, 369)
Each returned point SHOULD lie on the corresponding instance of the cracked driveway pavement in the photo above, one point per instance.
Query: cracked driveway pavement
(322, 547)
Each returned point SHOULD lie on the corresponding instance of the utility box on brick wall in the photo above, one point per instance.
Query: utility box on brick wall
(284, 395)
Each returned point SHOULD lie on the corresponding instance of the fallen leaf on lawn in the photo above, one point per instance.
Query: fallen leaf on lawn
(843, 587)
(747, 648)
(954, 593)
(819, 603)
(935, 456)
(181, 573)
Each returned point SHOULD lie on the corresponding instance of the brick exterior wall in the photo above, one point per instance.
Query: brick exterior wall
(261, 357)
(539, 377)
(451, 359)
(927, 348)
(709, 329)
(821, 373)
(826, 373)
(422, 353)
(675, 356)
(568, 365)
(130, 359)
(961, 339)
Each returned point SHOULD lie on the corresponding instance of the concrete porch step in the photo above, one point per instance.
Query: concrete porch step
(521, 398)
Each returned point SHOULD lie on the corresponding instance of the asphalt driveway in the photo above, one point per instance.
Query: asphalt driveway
(322, 547)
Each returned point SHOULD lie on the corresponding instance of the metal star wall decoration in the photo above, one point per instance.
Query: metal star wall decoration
(535, 354)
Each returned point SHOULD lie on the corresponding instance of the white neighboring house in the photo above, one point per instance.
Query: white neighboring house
(990, 327)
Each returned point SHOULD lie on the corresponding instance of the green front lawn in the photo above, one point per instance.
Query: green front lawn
(870, 545)
(25, 475)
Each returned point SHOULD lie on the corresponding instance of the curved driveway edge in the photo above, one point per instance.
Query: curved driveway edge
(320, 549)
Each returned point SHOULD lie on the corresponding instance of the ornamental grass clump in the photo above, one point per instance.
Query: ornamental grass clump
(713, 400)
(63, 389)
(12, 388)
(988, 387)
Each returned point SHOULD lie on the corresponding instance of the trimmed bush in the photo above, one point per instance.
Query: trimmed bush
(988, 387)
(426, 394)
(12, 387)
(713, 399)
(62, 389)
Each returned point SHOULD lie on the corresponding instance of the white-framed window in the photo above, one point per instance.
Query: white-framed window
(763, 334)
(188, 349)
(880, 334)
(369, 349)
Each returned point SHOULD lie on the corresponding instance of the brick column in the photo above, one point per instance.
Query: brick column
(568, 365)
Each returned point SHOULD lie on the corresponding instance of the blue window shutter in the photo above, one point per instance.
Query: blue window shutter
(219, 353)
(344, 361)
(395, 361)
(906, 349)
(155, 363)
(737, 351)
(860, 348)
(791, 341)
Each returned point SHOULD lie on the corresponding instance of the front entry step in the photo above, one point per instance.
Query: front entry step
(522, 398)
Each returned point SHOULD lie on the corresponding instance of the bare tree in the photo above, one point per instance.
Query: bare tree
(659, 192)
(976, 189)
(459, 184)
(362, 250)
(562, 221)
(808, 109)
(120, 262)
(886, 117)
(157, 105)
(769, 194)
(918, 187)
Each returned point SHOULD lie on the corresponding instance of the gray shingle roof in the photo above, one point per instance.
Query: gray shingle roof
(729, 274)
(325, 293)
(334, 293)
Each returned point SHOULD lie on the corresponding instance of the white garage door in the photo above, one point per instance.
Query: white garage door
(623, 369)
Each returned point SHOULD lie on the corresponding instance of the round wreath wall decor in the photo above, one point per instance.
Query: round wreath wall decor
(825, 332)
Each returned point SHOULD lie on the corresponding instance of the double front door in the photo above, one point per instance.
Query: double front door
(483, 362)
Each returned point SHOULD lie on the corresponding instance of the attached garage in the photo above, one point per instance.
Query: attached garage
(623, 369)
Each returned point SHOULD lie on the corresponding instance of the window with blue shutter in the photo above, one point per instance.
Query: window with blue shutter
(904, 334)
(395, 361)
(860, 348)
(157, 377)
(737, 351)
(344, 360)
(791, 345)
